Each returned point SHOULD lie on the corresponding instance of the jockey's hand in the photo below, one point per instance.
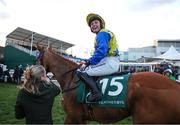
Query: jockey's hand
(84, 65)
(87, 63)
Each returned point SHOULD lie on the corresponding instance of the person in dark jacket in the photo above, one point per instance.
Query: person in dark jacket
(36, 96)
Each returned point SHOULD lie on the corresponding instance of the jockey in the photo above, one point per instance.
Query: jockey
(105, 59)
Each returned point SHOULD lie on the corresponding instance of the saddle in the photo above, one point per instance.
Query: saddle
(113, 88)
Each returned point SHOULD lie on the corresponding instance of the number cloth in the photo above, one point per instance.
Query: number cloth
(113, 88)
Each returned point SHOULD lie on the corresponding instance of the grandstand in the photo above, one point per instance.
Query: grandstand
(20, 46)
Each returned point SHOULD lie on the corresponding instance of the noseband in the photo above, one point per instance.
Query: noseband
(40, 57)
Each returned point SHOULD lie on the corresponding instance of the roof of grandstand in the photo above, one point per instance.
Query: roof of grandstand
(25, 36)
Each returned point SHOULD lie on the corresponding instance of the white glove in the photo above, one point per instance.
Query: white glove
(83, 67)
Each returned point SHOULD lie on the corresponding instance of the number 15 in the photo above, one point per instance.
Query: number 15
(113, 82)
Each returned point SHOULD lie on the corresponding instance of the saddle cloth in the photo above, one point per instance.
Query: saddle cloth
(113, 88)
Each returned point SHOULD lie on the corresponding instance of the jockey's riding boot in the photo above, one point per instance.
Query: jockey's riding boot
(96, 94)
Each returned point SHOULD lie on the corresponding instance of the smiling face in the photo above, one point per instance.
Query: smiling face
(95, 26)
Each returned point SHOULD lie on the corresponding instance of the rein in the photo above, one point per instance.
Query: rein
(72, 77)
(68, 89)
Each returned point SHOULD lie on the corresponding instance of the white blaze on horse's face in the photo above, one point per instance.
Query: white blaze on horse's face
(95, 26)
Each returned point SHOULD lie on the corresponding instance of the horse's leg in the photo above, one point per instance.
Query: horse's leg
(74, 120)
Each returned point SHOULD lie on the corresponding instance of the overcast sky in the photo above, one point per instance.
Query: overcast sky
(136, 23)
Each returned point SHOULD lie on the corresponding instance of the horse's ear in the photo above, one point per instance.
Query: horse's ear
(40, 48)
(50, 46)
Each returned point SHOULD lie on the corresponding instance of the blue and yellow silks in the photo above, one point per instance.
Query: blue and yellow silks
(105, 45)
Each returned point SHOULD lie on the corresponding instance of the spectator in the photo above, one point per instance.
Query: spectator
(132, 69)
(159, 69)
(20, 73)
(36, 96)
(168, 73)
(1, 73)
(15, 75)
(7, 75)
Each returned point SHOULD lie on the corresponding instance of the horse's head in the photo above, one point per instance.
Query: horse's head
(50, 59)
(41, 58)
(62, 67)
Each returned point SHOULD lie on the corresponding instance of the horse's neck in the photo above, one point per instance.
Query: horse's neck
(61, 67)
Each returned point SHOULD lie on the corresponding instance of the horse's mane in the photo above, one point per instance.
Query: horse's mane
(62, 58)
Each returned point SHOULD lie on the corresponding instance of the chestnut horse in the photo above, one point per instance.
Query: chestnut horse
(150, 98)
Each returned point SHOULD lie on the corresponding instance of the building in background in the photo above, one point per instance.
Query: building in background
(163, 45)
(159, 47)
(136, 53)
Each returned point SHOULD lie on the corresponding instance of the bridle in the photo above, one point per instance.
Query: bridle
(40, 57)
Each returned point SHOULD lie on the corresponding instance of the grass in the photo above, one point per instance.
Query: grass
(8, 93)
